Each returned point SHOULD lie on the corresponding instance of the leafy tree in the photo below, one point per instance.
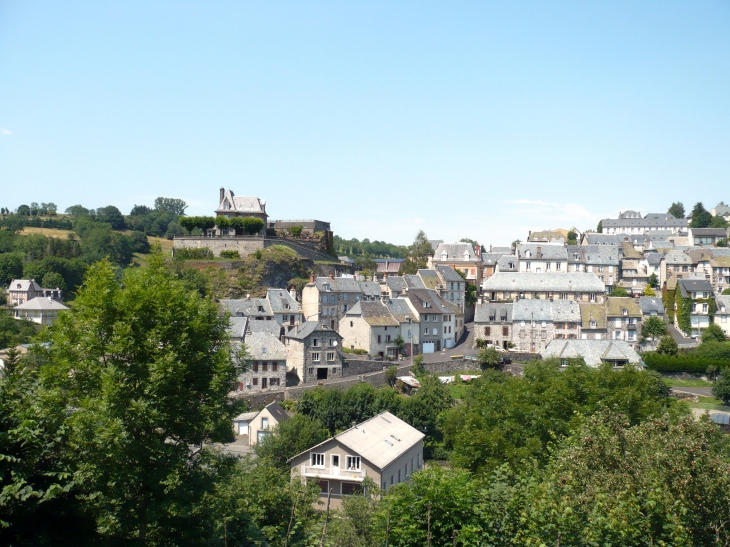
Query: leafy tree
(418, 368)
(289, 438)
(422, 411)
(467, 240)
(53, 280)
(418, 254)
(252, 225)
(11, 361)
(653, 327)
(599, 228)
(222, 222)
(24, 210)
(572, 238)
(700, 217)
(620, 292)
(721, 387)
(721, 242)
(78, 211)
(171, 205)
(653, 281)
(488, 358)
(667, 346)
(365, 262)
(295, 231)
(173, 229)
(718, 222)
(713, 333)
(147, 368)
(11, 267)
(676, 209)
(139, 242)
(140, 210)
(648, 291)
(112, 216)
(391, 375)
(15, 331)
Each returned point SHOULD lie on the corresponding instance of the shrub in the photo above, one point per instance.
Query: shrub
(203, 253)
(682, 363)
(230, 254)
(667, 346)
(252, 225)
(295, 231)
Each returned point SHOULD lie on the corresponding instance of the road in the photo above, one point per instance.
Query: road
(463, 347)
(682, 342)
(704, 391)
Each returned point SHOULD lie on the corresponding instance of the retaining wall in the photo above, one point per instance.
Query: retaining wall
(246, 245)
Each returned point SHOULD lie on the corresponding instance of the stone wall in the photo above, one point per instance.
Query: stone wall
(354, 367)
(246, 245)
(310, 225)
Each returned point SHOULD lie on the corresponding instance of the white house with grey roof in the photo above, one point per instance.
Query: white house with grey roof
(699, 292)
(601, 260)
(594, 352)
(538, 258)
(722, 313)
(372, 327)
(631, 222)
(384, 448)
(41, 309)
(461, 256)
(557, 286)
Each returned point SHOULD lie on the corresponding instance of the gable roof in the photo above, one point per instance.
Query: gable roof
(237, 327)
(430, 278)
(688, 286)
(616, 304)
(592, 312)
(400, 308)
(24, 285)
(651, 304)
(279, 299)
(449, 274)
(270, 326)
(241, 204)
(276, 411)
(593, 254)
(533, 309)
(455, 252)
(541, 252)
(593, 352)
(498, 310)
(677, 257)
(380, 440)
(375, 314)
(262, 345)
(602, 239)
(308, 328)
(338, 284)
(247, 306)
(544, 282)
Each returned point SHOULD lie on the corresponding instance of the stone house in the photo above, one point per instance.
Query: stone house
(593, 325)
(327, 299)
(631, 222)
(634, 277)
(266, 364)
(489, 263)
(676, 264)
(371, 326)
(722, 313)
(453, 286)
(700, 293)
(721, 211)
(601, 260)
(278, 305)
(313, 352)
(536, 258)
(493, 324)
(536, 322)
(41, 309)
(230, 206)
(652, 264)
(400, 309)
(624, 319)
(579, 286)
(21, 291)
(548, 237)
(384, 448)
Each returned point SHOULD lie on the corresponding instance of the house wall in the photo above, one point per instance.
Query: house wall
(258, 425)
(274, 372)
(406, 463)
(355, 333)
(496, 334)
(500, 296)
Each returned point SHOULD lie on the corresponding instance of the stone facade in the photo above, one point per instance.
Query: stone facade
(246, 245)
(314, 352)
(307, 225)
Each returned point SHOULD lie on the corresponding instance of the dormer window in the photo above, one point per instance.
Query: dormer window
(444, 255)
(624, 311)
(593, 324)
(466, 255)
(261, 308)
(528, 254)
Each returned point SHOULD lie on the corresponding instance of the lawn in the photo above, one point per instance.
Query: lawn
(675, 382)
(709, 403)
(165, 245)
(49, 232)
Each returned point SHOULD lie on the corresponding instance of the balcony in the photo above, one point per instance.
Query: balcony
(333, 473)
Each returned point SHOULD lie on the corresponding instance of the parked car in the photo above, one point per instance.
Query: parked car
(505, 361)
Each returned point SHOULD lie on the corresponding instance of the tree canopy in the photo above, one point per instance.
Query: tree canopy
(417, 256)
(676, 209)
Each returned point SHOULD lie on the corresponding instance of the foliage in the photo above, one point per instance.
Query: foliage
(365, 263)
(653, 327)
(718, 222)
(721, 387)
(620, 292)
(53, 280)
(252, 225)
(682, 363)
(667, 346)
(111, 216)
(648, 291)
(391, 375)
(202, 253)
(722, 243)
(488, 358)
(11, 267)
(222, 222)
(230, 253)
(417, 256)
(572, 238)
(295, 231)
(418, 368)
(700, 217)
(289, 438)
(201, 223)
(653, 281)
(378, 249)
(15, 331)
(509, 419)
(174, 206)
(713, 333)
(599, 228)
(668, 300)
(139, 242)
(726, 291)
(676, 209)
(683, 311)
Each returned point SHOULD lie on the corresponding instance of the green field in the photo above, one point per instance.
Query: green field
(674, 382)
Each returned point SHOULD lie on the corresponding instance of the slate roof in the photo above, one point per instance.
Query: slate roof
(396, 283)
(247, 306)
(721, 210)
(546, 252)
(391, 265)
(400, 308)
(370, 288)
(716, 232)
(592, 312)
(593, 352)
(237, 327)
(603, 239)
(264, 346)
(417, 297)
(483, 312)
(449, 274)
(616, 304)
(242, 204)
(652, 220)
(544, 310)
(279, 299)
(720, 262)
(379, 440)
(629, 251)
(651, 304)
(435, 243)
(593, 254)
(455, 252)
(375, 314)
(723, 300)
(677, 257)
(502, 250)
(654, 259)
(270, 326)
(43, 303)
(687, 286)
(413, 281)
(490, 259)
(308, 328)
(277, 412)
(544, 282)
(504, 262)
(246, 416)
(430, 278)
(25, 285)
(338, 284)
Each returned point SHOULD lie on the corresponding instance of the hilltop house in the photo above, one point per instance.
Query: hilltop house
(230, 206)
(384, 448)
(41, 309)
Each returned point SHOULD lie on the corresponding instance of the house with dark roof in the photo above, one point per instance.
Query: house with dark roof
(706, 236)
(624, 319)
(720, 267)
(441, 322)
(594, 352)
(493, 324)
(537, 258)
(266, 364)
(699, 293)
(261, 425)
(721, 211)
(384, 448)
(601, 260)
(21, 291)
(313, 352)
(230, 206)
(463, 257)
(579, 286)
(651, 306)
(631, 222)
(722, 313)
(328, 299)
(536, 322)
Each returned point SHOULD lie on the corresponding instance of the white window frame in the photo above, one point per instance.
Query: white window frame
(352, 463)
(315, 356)
(315, 458)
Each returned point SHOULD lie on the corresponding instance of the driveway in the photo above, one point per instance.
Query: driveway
(463, 347)
(682, 342)
(704, 391)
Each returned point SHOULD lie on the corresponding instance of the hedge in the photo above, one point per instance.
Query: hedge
(193, 254)
(37, 222)
(681, 363)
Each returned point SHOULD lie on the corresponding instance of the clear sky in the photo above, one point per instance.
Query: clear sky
(466, 119)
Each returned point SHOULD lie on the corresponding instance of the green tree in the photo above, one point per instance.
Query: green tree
(418, 368)
(721, 242)
(365, 263)
(53, 280)
(676, 209)
(467, 240)
(252, 225)
(653, 281)
(112, 216)
(700, 217)
(718, 222)
(139, 242)
(11, 267)
(648, 291)
(721, 387)
(295, 231)
(171, 205)
(620, 292)
(653, 327)
(289, 438)
(222, 222)
(713, 333)
(572, 238)
(418, 253)
(146, 368)
(667, 346)
(391, 375)
(488, 358)
(599, 228)
(24, 210)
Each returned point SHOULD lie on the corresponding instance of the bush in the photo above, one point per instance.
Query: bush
(204, 253)
(140, 243)
(230, 254)
(667, 346)
(682, 363)
(295, 231)
(252, 225)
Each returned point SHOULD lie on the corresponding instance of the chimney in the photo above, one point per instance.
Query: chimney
(478, 250)
(293, 292)
(490, 247)
(311, 278)
(539, 251)
(223, 194)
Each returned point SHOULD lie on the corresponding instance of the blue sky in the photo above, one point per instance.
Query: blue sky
(481, 120)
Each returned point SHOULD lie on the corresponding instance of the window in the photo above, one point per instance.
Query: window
(315, 342)
(544, 324)
(704, 308)
(255, 366)
(617, 335)
(255, 381)
(418, 460)
(315, 356)
(593, 324)
(352, 463)
(624, 311)
(351, 324)
(378, 339)
(264, 367)
(351, 489)
(435, 331)
(330, 355)
(704, 295)
(505, 331)
(344, 297)
(316, 459)
(273, 381)
(274, 367)
(557, 266)
(285, 318)
(425, 331)
(332, 342)
(264, 423)
(387, 337)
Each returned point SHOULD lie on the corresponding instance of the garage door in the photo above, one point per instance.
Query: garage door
(427, 347)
